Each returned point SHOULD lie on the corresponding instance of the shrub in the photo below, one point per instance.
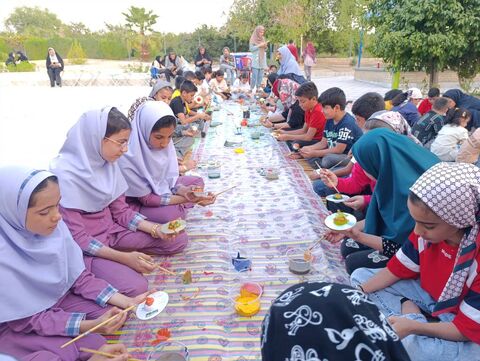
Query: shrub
(22, 67)
(76, 55)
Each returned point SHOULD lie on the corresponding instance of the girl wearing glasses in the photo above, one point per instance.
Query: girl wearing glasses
(113, 236)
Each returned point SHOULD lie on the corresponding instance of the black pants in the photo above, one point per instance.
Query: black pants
(168, 74)
(359, 256)
(54, 75)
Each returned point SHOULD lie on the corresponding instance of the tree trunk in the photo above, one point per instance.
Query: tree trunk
(433, 73)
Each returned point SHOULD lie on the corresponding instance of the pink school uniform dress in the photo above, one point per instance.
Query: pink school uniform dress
(46, 289)
(93, 204)
(152, 174)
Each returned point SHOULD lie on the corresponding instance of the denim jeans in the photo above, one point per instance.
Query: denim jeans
(420, 348)
(257, 77)
(229, 72)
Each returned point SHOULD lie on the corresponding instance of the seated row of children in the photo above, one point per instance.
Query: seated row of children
(78, 238)
(412, 196)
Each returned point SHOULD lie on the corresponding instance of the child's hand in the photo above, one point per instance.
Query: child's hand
(113, 325)
(306, 152)
(402, 326)
(119, 350)
(329, 178)
(355, 202)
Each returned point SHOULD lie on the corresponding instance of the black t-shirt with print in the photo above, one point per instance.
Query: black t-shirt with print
(178, 106)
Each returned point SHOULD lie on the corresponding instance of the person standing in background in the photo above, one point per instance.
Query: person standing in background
(309, 60)
(258, 46)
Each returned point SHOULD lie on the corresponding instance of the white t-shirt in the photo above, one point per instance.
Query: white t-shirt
(240, 87)
(448, 141)
(218, 87)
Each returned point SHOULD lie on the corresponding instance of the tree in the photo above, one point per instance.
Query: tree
(33, 21)
(143, 21)
(419, 35)
(77, 29)
(76, 55)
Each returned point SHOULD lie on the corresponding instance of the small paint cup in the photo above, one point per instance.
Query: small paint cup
(241, 261)
(297, 263)
(169, 351)
(271, 174)
(213, 172)
(247, 304)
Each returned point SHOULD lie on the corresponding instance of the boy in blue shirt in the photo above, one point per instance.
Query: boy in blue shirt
(340, 132)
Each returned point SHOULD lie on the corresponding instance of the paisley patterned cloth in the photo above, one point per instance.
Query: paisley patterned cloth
(318, 321)
(452, 191)
(263, 219)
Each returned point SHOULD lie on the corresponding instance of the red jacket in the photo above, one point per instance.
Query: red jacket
(356, 183)
(424, 107)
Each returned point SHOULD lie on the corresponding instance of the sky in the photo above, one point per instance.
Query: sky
(175, 16)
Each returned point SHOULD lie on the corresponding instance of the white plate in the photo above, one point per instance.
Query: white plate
(161, 301)
(334, 200)
(192, 173)
(200, 194)
(350, 218)
(165, 230)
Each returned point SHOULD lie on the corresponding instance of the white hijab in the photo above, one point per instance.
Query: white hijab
(88, 182)
(149, 170)
(36, 271)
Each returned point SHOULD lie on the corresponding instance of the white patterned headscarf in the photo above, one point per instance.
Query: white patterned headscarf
(452, 192)
(396, 121)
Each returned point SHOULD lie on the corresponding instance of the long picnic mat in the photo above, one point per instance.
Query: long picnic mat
(262, 219)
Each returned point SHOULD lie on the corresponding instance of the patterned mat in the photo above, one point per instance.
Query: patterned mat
(260, 218)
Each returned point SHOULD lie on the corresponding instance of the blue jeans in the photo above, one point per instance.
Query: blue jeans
(257, 77)
(420, 348)
(229, 71)
(321, 188)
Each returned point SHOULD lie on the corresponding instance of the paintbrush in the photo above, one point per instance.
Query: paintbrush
(106, 354)
(156, 265)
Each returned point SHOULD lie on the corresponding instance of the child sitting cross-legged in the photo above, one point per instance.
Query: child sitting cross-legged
(435, 273)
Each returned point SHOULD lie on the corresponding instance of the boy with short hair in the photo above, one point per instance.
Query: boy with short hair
(365, 106)
(428, 126)
(339, 135)
(178, 104)
(362, 109)
(312, 130)
(426, 104)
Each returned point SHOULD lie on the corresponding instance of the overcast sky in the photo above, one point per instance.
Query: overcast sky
(175, 16)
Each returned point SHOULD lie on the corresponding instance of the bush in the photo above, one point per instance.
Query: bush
(76, 55)
(137, 68)
(22, 67)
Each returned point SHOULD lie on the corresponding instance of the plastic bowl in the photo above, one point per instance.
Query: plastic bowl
(169, 351)
(247, 305)
(297, 263)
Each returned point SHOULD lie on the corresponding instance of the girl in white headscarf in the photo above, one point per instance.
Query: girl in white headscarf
(48, 296)
(150, 167)
(93, 202)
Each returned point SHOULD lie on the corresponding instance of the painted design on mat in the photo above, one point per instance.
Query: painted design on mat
(288, 216)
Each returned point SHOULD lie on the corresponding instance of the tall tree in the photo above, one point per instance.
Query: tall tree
(139, 19)
(422, 35)
(33, 21)
(142, 21)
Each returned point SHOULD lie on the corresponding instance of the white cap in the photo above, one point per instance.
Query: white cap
(415, 93)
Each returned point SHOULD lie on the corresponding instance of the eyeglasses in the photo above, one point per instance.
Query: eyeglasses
(122, 145)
